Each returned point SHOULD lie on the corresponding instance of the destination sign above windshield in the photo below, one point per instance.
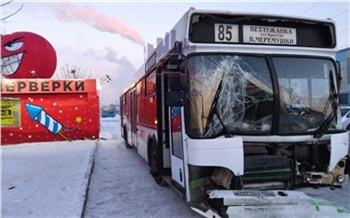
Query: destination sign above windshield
(261, 30)
(269, 35)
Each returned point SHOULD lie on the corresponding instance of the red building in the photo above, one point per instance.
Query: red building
(37, 110)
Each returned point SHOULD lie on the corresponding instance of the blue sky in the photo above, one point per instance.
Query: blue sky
(115, 47)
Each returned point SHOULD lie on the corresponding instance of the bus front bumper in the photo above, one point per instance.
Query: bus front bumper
(256, 203)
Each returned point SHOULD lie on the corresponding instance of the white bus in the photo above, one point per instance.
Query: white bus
(233, 107)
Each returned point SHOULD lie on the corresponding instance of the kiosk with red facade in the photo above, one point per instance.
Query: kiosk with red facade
(38, 110)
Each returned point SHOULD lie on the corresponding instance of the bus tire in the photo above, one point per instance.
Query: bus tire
(127, 145)
(348, 128)
(153, 164)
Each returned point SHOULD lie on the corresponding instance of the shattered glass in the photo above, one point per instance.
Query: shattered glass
(233, 94)
(244, 101)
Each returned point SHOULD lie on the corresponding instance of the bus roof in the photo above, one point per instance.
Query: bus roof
(193, 10)
(181, 29)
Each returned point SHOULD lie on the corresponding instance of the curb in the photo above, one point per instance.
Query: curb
(87, 178)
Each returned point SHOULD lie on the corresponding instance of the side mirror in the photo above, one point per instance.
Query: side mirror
(174, 99)
(174, 82)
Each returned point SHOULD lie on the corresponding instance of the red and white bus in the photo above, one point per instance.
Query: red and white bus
(230, 106)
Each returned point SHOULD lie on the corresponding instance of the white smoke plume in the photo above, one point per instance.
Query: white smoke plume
(68, 12)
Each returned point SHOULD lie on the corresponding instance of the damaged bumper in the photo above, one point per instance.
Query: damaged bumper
(255, 203)
(337, 177)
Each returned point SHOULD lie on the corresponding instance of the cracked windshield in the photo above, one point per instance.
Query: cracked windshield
(233, 94)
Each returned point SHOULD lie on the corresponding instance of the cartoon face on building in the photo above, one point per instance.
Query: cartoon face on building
(27, 55)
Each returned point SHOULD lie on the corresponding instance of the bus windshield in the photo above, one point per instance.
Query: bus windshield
(234, 94)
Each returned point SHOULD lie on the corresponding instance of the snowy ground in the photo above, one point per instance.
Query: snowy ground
(110, 128)
(49, 179)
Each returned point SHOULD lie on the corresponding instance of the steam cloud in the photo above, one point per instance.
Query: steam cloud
(120, 76)
(68, 12)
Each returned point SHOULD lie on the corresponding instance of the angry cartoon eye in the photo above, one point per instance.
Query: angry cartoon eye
(23, 52)
(13, 46)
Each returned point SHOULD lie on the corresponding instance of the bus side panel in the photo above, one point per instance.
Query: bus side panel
(150, 100)
(145, 131)
(144, 128)
(141, 107)
(127, 116)
(147, 122)
(121, 112)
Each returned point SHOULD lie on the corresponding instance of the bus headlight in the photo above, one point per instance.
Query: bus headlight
(340, 178)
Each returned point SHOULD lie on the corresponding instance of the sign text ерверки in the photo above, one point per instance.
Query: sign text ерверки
(43, 86)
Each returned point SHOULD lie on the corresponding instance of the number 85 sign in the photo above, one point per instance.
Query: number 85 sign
(226, 33)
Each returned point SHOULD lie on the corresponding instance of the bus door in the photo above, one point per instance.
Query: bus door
(175, 128)
(173, 78)
(133, 118)
(176, 146)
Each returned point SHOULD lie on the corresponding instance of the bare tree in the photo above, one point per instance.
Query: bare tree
(73, 72)
(13, 13)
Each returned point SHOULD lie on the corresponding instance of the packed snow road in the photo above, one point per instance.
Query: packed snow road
(121, 186)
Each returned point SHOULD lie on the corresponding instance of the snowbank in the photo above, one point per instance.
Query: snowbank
(49, 179)
(110, 128)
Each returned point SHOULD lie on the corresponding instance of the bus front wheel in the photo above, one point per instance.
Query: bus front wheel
(153, 164)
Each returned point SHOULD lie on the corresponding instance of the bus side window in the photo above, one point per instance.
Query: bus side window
(151, 84)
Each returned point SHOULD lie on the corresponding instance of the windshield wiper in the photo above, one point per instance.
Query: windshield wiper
(213, 110)
(332, 99)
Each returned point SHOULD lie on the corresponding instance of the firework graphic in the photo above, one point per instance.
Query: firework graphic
(38, 113)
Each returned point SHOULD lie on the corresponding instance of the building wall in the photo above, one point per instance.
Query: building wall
(38, 110)
(343, 56)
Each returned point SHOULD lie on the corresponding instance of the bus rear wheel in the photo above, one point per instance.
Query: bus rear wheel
(127, 145)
